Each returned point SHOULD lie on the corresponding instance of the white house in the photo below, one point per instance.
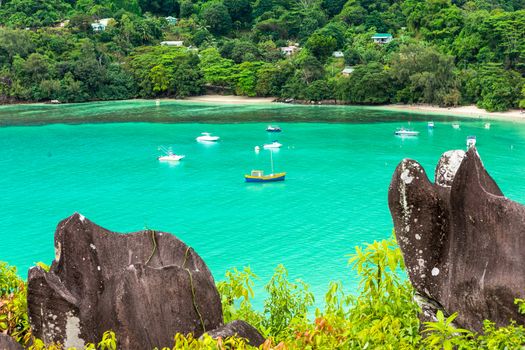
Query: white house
(178, 43)
(338, 54)
(347, 71)
(171, 20)
(289, 50)
(382, 38)
(100, 25)
(63, 24)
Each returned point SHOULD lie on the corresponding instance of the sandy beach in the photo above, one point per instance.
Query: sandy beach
(462, 111)
(230, 99)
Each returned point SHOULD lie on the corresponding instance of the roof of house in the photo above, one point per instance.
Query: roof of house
(348, 70)
(102, 22)
(172, 43)
(381, 35)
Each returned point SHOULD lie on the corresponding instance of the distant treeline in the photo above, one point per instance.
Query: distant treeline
(443, 52)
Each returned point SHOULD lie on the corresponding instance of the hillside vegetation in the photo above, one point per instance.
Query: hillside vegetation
(443, 52)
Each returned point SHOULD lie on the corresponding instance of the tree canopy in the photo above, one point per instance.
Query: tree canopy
(444, 52)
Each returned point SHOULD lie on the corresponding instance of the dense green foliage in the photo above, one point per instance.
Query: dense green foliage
(444, 52)
(381, 314)
(13, 305)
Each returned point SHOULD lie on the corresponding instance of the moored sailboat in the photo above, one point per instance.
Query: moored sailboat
(258, 175)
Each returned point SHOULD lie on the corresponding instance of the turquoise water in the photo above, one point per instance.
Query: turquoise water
(334, 196)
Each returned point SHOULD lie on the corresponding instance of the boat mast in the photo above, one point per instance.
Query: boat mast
(271, 159)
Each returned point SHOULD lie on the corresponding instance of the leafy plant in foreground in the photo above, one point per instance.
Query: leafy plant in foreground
(236, 292)
(13, 305)
(108, 342)
(286, 305)
(443, 334)
(384, 313)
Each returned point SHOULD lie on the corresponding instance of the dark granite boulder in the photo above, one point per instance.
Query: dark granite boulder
(8, 343)
(462, 240)
(145, 286)
(240, 329)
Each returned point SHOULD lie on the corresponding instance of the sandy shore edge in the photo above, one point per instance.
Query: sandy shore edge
(462, 111)
(229, 99)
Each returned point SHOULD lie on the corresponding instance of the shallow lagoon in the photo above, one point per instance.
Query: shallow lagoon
(56, 160)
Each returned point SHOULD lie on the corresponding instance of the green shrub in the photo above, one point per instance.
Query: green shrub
(13, 305)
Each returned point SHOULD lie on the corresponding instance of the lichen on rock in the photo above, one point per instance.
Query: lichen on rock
(461, 239)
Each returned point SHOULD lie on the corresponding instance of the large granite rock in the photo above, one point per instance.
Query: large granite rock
(239, 329)
(461, 239)
(8, 343)
(145, 286)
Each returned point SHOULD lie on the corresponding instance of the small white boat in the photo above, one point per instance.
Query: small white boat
(487, 125)
(430, 125)
(207, 137)
(169, 156)
(274, 144)
(273, 128)
(455, 125)
(471, 141)
(406, 132)
(257, 148)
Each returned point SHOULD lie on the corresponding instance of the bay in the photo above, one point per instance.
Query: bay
(99, 159)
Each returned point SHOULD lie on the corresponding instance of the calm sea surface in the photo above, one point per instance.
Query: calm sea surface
(56, 160)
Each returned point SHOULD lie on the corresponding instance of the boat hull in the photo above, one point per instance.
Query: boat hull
(265, 178)
(170, 158)
(207, 138)
(406, 133)
(272, 145)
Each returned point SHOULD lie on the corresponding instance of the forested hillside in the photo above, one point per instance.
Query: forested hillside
(443, 52)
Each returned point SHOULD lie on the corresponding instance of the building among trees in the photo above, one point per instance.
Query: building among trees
(100, 25)
(178, 43)
(382, 38)
(171, 20)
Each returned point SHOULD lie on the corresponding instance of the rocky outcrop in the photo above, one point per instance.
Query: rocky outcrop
(239, 329)
(462, 240)
(8, 343)
(145, 286)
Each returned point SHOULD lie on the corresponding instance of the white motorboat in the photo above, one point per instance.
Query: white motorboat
(455, 125)
(487, 125)
(430, 125)
(471, 141)
(169, 156)
(207, 137)
(273, 128)
(274, 144)
(406, 132)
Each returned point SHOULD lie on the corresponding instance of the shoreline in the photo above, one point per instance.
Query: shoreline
(226, 99)
(470, 111)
